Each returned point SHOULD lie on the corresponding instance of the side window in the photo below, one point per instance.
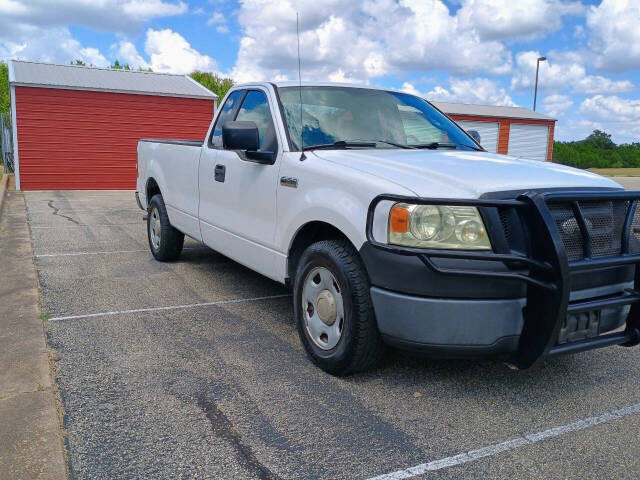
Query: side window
(255, 108)
(227, 109)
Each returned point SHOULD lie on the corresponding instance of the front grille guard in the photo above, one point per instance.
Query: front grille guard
(545, 268)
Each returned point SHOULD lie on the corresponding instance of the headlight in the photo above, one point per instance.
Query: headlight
(437, 226)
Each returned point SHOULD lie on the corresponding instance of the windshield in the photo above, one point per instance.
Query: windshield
(348, 114)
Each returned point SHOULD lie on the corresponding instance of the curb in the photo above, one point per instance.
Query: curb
(3, 189)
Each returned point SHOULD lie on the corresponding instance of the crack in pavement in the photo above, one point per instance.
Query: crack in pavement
(56, 210)
(222, 426)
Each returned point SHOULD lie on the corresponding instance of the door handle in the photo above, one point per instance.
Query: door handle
(219, 173)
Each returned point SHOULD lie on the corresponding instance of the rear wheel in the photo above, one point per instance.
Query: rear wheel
(165, 241)
(333, 310)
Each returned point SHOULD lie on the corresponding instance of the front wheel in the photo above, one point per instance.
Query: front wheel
(333, 310)
(165, 241)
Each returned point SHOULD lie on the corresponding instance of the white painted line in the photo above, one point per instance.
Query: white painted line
(74, 254)
(171, 307)
(69, 224)
(105, 252)
(528, 439)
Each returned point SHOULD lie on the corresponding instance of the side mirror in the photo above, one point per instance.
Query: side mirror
(240, 136)
(244, 136)
(475, 135)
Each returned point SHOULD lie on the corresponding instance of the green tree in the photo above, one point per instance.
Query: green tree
(597, 151)
(4, 88)
(213, 82)
(600, 139)
(118, 66)
(79, 63)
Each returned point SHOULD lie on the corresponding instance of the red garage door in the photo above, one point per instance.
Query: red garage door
(74, 139)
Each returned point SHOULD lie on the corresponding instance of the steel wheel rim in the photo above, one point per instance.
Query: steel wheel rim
(155, 228)
(322, 308)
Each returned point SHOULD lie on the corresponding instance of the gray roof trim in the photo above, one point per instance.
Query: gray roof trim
(128, 92)
(207, 91)
(496, 111)
(75, 77)
(12, 76)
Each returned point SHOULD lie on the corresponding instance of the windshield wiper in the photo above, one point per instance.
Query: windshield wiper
(387, 142)
(340, 144)
(355, 144)
(434, 145)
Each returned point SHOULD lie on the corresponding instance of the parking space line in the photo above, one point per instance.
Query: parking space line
(528, 439)
(74, 254)
(105, 252)
(170, 307)
(62, 225)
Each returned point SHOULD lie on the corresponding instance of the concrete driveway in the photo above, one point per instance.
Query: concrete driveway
(194, 370)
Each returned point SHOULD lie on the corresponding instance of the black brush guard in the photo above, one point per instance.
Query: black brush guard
(546, 268)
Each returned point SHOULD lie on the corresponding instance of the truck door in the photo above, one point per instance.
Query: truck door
(238, 197)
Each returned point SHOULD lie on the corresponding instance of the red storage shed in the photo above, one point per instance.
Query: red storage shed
(77, 128)
(515, 131)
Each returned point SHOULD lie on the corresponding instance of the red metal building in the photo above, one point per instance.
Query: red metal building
(77, 128)
(515, 131)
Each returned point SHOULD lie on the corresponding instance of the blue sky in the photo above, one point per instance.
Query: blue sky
(471, 51)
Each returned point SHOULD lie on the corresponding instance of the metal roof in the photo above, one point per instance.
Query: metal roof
(490, 111)
(72, 77)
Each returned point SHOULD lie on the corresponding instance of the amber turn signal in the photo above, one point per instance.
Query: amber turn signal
(399, 219)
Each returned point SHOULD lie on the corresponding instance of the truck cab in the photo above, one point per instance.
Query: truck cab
(392, 225)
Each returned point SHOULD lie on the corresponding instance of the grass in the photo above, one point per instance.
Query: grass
(45, 316)
(616, 172)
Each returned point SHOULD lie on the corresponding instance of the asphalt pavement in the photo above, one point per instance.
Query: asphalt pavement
(193, 369)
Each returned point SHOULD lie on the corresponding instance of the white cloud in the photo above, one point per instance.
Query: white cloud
(474, 90)
(619, 116)
(38, 30)
(216, 19)
(92, 56)
(110, 15)
(167, 52)
(340, 77)
(592, 84)
(568, 72)
(220, 21)
(127, 53)
(363, 40)
(555, 105)
(55, 45)
(612, 108)
(146, 9)
(499, 19)
(615, 34)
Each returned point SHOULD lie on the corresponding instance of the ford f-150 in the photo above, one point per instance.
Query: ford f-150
(394, 226)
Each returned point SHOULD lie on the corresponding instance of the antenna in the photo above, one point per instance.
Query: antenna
(302, 155)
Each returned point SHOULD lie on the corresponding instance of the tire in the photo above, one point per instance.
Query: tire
(166, 244)
(358, 346)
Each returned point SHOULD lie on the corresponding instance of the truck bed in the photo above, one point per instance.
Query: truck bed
(178, 162)
(191, 143)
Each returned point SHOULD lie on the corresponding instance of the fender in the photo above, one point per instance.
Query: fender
(156, 173)
(354, 231)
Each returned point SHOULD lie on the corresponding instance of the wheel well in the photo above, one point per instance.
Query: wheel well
(310, 233)
(152, 189)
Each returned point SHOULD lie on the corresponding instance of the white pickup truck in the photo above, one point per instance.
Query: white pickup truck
(393, 225)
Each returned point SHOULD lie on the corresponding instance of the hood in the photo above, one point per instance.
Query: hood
(462, 174)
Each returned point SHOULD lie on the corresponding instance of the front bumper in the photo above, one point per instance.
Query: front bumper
(471, 327)
(449, 327)
(550, 306)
